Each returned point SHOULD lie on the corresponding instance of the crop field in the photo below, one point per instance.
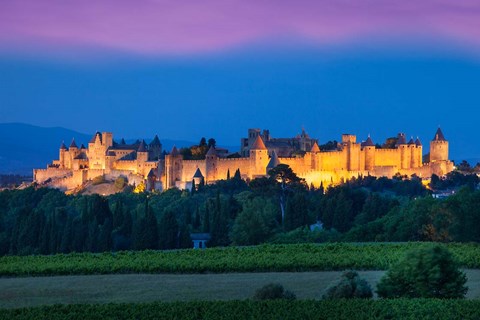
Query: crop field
(247, 309)
(265, 258)
(135, 288)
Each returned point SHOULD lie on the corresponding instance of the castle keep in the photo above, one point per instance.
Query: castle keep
(148, 163)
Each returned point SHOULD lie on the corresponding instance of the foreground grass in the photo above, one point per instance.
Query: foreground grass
(306, 309)
(141, 288)
(265, 258)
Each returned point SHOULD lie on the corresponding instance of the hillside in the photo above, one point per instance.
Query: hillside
(24, 147)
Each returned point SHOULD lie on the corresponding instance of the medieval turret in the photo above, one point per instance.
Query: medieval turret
(315, 148)
(61, 156)
(402, 145)
(172, 168)
(369, 148)
(211, 161)
(418, 153)
(142, 152)
(198, 177)
(258, 158)
(155, 149)
(274, 161)
(439, 147)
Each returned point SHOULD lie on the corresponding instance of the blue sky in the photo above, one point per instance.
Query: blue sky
(223, 71)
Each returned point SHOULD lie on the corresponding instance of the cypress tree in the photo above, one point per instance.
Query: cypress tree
(206, 219)
(219, 224)
(169, 235)
(118, 215)
(105, 242)
(197, 221)
(192, 192)
(67, 237)
(237, 175)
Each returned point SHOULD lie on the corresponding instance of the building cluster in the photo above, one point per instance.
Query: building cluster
(148, 163)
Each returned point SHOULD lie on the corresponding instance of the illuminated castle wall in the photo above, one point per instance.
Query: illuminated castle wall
(161, 170)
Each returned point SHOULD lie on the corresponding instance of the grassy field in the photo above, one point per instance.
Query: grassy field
(134, 288)
(265, 258)
(414, 309)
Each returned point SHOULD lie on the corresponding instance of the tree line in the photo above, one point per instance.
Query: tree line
(278, 209)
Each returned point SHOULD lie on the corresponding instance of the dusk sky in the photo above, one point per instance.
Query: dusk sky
(187, 69)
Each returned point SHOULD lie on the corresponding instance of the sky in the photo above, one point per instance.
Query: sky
(187, 69)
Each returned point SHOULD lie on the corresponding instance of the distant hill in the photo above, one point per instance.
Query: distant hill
(24, 147)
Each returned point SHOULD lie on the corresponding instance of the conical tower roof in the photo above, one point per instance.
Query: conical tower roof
(315, 147)
(273, 161)
(141, 147)
(155, 141)
(174, 151)
(152, 173)
(198, 174)
(369, 142)
(95, 137)
(63, 146)
(212, 151)
(411, 141)
(439, 135)
(418, 143)
(258, 144)
(73, 144)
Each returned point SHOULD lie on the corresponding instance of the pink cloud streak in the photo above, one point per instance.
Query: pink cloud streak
(188, 26)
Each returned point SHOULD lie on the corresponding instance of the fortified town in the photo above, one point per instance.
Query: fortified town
(158, 170)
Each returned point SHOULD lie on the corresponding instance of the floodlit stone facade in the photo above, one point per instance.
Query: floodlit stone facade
(148, 163)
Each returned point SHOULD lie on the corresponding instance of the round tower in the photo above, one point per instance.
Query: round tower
(258, 158)
(142, 152)
(369, 148)
(211, 162)
(73, 151)
(61, 156)
(172, 168)
(418, 153)
(438, 147)
(403, 147)
(198, 178)
(315, 151)
(411, 153)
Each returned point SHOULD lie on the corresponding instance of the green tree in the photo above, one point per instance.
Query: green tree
(219, 230)
(168, 234)
(255, 223)
(296, 211)
(428, 272)
(351, 285)
(285, 177)
(273, 291)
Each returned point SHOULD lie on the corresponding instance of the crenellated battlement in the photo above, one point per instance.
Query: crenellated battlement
(145, 161)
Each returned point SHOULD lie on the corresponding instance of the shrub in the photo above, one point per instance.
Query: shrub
(273, 291)
(98, 180)
(350, 286)
(120, 182)
(429, 272)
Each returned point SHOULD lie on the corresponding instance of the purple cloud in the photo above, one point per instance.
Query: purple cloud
(187, 26)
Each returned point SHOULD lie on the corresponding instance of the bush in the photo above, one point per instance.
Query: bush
(273, 291)
(350, 286)
(120, 182)
(98, 180)
(429, 272)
